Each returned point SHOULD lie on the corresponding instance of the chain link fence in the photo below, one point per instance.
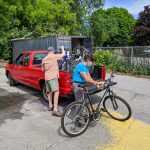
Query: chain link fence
(133, 60)
(137, 54)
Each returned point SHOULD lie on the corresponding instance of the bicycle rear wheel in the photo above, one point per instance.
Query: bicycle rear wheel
(117, 108)
(75, 119)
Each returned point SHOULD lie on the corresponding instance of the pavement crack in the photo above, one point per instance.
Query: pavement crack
(135, 95)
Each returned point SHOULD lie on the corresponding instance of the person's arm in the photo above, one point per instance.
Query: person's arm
(42, 67)
(88, 78)
(59, 56)
(97, 82)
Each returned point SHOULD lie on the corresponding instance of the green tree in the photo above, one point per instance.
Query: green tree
(83, 10)
(6, 19)
(113, 26)
(142, 28)
(33, 18)
(102, 26)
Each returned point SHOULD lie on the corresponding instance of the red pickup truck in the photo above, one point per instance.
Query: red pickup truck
(26, 69)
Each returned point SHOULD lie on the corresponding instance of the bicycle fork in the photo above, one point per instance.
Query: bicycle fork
(114, 103)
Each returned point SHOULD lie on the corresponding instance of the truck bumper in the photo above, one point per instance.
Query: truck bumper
(68, 95)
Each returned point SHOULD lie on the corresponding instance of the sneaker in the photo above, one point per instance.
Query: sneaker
(57, 113)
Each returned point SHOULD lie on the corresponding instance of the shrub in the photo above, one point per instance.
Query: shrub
(113, 61)
(103, 57)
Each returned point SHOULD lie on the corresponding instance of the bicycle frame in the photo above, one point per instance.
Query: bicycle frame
(107, 91)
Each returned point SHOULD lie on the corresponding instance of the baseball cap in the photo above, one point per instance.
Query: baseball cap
(50, 48)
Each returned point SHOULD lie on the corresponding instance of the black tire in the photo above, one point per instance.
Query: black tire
(117, 104)
(11, 81)
(44, 94)
(77, 117)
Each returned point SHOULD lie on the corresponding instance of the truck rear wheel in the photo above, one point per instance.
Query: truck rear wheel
(44, 93)
(11, 81)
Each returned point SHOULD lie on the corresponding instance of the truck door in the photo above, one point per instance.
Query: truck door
(17, 68)
(26, 71)
(36, 70)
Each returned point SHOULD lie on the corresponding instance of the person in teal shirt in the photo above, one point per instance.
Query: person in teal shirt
(81, 75)
(81, 67)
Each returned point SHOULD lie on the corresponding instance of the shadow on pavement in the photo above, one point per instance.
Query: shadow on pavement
(28, 90)
(62, 134)
(7, 103)
(63, 102)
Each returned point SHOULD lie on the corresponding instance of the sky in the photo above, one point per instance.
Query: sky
(133, 6)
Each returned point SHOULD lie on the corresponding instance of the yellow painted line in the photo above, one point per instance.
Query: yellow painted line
(128, 135)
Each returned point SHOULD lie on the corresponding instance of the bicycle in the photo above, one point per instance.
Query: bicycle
(71, 59)
(78, 115)
(80, 51)
(65, 62)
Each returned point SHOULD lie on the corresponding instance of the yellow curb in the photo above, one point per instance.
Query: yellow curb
(128, 135)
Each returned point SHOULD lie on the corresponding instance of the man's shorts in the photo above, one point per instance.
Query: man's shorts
(52, 85)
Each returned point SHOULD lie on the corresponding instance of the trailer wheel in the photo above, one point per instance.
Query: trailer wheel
(11, 81)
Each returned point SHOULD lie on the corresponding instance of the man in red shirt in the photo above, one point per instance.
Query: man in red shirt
(50, 66)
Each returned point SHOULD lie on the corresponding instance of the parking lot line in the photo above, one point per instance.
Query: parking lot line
(128, 135)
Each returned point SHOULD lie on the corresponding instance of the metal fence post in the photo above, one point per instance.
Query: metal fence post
(131, 59)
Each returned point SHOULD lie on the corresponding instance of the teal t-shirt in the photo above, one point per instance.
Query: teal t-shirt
(81, 67)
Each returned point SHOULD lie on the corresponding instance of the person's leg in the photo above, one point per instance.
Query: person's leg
(55, 90)
(56, 96)
(78, 92)
(50, 96)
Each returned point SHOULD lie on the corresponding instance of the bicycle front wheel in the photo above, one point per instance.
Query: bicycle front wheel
(117, 108)
(75, 119)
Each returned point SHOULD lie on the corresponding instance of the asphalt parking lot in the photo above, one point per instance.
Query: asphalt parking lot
(27, 125)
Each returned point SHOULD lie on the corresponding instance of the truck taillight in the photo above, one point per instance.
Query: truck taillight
(103, 72)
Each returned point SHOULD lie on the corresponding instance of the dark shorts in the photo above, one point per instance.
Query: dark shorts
(52, 85)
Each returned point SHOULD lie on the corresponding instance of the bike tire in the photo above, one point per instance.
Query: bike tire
(68, 109)
(112, 111)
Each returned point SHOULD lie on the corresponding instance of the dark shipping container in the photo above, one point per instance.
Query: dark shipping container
(42, 43)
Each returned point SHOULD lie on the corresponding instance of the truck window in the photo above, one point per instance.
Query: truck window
(26, 60)
(19, 60)
(37, 59)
